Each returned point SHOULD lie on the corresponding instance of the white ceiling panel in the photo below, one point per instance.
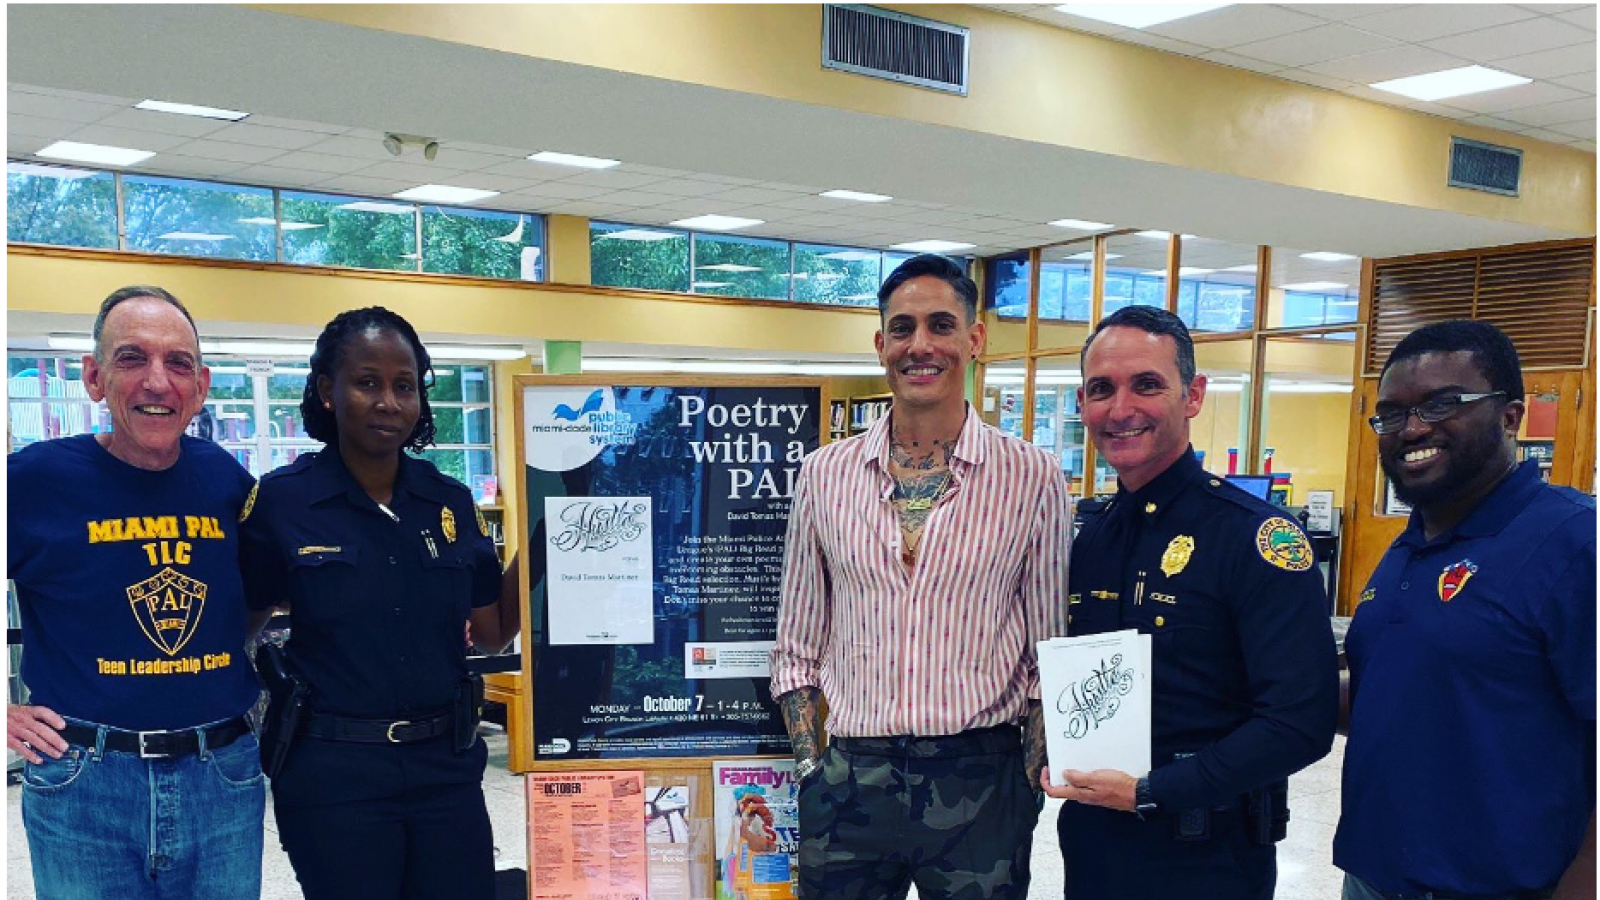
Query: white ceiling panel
(1506, 99)
(1158, 42)
(1517, 38)
(686, 187)
(191, 166)
(276, 175)
(1493, 122)
(563, 191)
(1553, 113)
(1304, 48)
(163, 123)
(751, 195)
(636, 198)
(33, 126)
(417, 173)
(614, 179)
(124, 137)
(1427, 21)
(267, 136)
(1583, 129)
(1238, 24)
(45, 107)
(1583, 17)
(1341, 12)
(239, 153)
(319, 162)
(298, 125)
(1382, 65)
(1545, 134)
(1307, 76)
(26, 144)
(596, 209)
(1551, 63)
(355, 148)
(365, 185)
(1223, 57)
(1584, 82)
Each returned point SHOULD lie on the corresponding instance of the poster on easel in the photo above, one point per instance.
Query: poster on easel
(655, 519)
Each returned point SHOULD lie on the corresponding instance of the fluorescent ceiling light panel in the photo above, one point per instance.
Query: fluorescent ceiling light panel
(932, 246)
(858, 196)
(95, 153)
(70, 342)
(394, 209)
(1137, 15)
(1183, 272)
(1315, 286)
(571, 159)
(61, 172)
(730, 267)
(193, 236)
(444, 193)
(1451, 83)
(260, 348)
(185, 109)
(1327, 256)
(640, 234)
(1248, 267)
(286, 226)
(1088, 255)
(1080, 224)
(854, 256)
(1159, 235)
(715, 222)
(729, 367)
(475, 352)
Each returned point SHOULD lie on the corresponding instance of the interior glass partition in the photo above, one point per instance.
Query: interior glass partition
(1309, 288)
(1305, 413)
(1136, 271)
(1217, 285)
(1221, 432)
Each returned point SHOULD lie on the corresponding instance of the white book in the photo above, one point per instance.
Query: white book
(1096, 695)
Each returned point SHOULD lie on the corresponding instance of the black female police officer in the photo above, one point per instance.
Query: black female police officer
(381, 560)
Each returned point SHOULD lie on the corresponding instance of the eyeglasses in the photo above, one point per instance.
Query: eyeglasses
(1430, 411)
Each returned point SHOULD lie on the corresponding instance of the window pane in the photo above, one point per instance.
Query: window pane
(741, 267)
(1306, 290)
(475, 384)
(231, 382)
(284, 421)
(638, 257)
(232, 422)
(447, 425)
(477, 425)
(1136, 272)
(1305, 415)
(892, 261)
(287, 383)
(450, 462)
(328, 230)
(1007, 282)
(1217, 285)
(841, 276)
(198, 218)
(482, 242)
(67, 207)
(57, 379)
(1066, 287)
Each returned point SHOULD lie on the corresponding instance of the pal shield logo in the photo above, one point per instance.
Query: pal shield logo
(566, 427)
(168, 606)
(1453, 580)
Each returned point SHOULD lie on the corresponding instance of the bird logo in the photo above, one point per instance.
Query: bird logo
(567, 414)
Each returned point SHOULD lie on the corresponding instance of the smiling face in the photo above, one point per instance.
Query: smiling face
(1135, 405)
(147, 370)
(1459, 458)
(926, 343)
(375, 392)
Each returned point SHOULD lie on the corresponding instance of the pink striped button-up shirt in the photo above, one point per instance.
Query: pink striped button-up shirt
(945, 645)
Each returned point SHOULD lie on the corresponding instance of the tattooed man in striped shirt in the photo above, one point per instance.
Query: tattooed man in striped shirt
(925, 559)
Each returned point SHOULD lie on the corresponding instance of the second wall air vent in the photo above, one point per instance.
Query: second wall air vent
(884, 44)
(1485, 167)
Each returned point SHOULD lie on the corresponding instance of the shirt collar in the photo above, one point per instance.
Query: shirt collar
(1164, 487)
(330, 477)
(1491, 515)
(972, 446)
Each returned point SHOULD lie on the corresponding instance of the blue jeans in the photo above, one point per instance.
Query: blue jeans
(107, 824)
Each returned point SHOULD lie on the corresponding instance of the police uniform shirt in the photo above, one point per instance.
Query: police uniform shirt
(1244, 669)
(1470, 765)
(378, 605)
(128, 583)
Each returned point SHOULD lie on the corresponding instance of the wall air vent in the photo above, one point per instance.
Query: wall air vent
(1484, 167)
(884, 44)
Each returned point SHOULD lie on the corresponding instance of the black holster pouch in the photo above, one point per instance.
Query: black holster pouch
(465, 711)
(288, 702)
(1267, 813)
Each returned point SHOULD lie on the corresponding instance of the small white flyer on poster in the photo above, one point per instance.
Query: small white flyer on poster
(728, 659)
(1096, 692)
(600, 580)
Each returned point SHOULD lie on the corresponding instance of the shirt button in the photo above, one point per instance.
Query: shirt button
(1405, 585)
(1160, 621)
(391, 561)
(397, 610)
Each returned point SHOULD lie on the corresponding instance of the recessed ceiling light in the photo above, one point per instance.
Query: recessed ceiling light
(1250, 267)
(61, 172)
(193, 236)
(184, 109)
(1315, 286)
(1450, 83)
(1327, 256)
(394, 209)
(572, 159)
(475, 352)
(716, 223)
(640, 234)
(1080, 224)
(1137, 15)
(1160, 235)
(858, 196)
(730, 267)
(95, 153)
(69, 342)
(1089, 255)
(286, 226)
(1183, 272)
(444, 193)
(932, 246)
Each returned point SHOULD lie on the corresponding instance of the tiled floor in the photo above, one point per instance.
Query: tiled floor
(1305, 867)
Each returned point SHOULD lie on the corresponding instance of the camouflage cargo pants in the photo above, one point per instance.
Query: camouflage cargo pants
(953, 814)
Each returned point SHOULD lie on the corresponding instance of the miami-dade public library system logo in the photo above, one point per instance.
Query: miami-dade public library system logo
(569, 426)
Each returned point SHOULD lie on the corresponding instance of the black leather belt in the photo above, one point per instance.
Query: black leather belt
(159, 744)
(375, 731)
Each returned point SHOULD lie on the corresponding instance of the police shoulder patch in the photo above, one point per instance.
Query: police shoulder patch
(483, 526)
(249, 502)
(1282, 543)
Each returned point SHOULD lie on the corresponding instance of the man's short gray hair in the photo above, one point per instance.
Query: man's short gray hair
(129, 293)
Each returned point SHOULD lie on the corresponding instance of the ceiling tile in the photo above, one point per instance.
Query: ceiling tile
(1577, 110)
(1551, 63)
(191, 166)
(267, 136)
(59, 108)
(457, 158)
(1496, 102)
(37, 90)
(1303, 48)
(1527, 36)
(686, 187)
(1157, 42)
(123, 137)
(654, 170)
(491, 149)
(412, 172)
(1428, 21)
(277, 176)
(1079, 23)
(521, 168)
(1584, 82)
(820, 220)
(26, 144)
(1554, 137)
(486, 182)
(562, 191)
(355, 148)
(1225, 58)
(635, 198)
(1545, 9)
(612, 179)
(163, 123)
(1493, 122)
(802, 188)
(589, 208)
(1382, 65)
(298, 125)
(748, 195)
(33, 126)
(364, 186)
(319, 162)
(1582, 17)
(684, 207)
(1580, 129)
(239, 153)
(1237, 24)
(725, 179)
(1339, 12)
(814, 203)
(1306, 76)
(1584, 145)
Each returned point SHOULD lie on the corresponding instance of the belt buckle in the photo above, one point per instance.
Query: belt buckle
(144, 750)
(392, 726)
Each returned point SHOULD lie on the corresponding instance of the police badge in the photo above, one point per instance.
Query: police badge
(447, 523)
(1177, 555)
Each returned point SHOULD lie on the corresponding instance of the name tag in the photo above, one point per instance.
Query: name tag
(1163, 598)
(1103, 595)
(307, 551)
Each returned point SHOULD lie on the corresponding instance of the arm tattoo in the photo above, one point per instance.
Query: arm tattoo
(803, 719)
(1033, 744)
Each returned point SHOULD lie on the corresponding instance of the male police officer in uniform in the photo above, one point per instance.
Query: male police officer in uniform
(1245, 683)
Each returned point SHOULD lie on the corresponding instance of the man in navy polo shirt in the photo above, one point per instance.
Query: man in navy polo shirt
(1470, 767)
(143, 780)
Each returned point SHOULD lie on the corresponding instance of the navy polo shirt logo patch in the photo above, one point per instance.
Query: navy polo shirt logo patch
(1453, 580)
(167, 606)
(1281, 543)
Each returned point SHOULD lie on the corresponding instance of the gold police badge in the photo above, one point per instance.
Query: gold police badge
(447, 523)
(249, 502)
(1282, 543)
(1177, 555)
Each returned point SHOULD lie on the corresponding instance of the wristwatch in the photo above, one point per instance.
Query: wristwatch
(1142, 802)
(805, 768)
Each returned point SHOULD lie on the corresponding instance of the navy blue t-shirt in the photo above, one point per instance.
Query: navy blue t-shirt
(133, 610)
(1470, 765)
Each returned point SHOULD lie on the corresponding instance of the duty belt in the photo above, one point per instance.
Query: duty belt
(375, 731)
